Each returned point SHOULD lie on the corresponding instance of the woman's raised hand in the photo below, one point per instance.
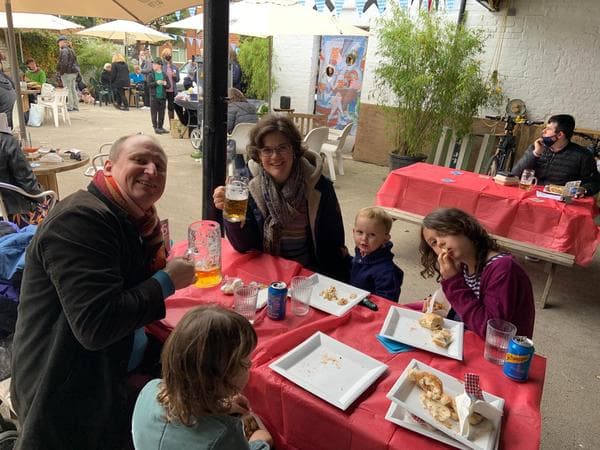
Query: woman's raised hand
(219, 197)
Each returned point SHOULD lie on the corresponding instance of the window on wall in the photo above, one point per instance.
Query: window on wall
(179, 56)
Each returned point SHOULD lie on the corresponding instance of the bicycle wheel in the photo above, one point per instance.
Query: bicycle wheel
(196, 138)
(492, 168)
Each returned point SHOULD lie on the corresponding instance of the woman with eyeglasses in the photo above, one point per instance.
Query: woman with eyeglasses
(293, 211)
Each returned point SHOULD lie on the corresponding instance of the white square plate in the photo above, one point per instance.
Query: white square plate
(321, 283)
(402, 325)
(407, 394)
(329, 369)
(400, 416)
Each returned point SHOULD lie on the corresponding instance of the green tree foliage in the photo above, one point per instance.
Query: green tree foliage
(93, 53)
(254, 61)
(41, 46)
(432, 68)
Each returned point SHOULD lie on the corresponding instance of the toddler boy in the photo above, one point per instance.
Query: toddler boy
(373, 267)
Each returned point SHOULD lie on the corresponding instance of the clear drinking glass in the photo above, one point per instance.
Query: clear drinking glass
(301, 290)
(236, 199)
(204, 249)
(244, 301)
(527, 180)
(498, 335)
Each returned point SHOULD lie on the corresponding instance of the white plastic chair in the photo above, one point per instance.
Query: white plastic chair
(315, 139)
(332, 151)
(56, 103)
(97, 161)
(241, 136)
(9, 187)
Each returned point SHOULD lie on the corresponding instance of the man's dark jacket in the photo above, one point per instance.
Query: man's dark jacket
(85, 291)
(572, 163)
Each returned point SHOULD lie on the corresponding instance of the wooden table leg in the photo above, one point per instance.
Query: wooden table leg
(49, 182)
(550, 272)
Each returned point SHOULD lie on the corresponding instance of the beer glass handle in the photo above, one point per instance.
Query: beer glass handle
(534, 181)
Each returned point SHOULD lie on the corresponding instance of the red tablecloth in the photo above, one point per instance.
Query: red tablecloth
(299, 420)
(504, 210)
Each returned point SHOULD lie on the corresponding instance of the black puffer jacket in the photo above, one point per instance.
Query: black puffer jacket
(570, 164)
(15, 170)
(119, 75)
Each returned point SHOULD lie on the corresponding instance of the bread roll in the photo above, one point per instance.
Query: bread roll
(441, 338)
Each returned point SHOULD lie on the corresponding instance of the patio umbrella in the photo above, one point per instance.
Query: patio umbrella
(125, 30)
(265, 18)
(38, 22)
(27, 21)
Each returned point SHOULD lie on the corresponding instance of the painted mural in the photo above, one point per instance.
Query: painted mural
(341, 68)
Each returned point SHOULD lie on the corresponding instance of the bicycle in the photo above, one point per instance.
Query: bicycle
(594, 147)
(504, 157)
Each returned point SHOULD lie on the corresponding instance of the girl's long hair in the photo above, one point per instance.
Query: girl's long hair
(453, 221)
(201, 359)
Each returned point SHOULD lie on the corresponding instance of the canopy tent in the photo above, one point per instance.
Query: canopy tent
(125, 30)
(265, 18)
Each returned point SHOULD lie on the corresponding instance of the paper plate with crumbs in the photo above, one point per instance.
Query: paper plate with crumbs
(334, 297)
(334, 372)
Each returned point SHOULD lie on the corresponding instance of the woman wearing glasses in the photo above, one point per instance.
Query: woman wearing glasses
(293, 211)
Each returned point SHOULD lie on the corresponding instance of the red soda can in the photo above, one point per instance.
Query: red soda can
(518, 358)
(276, 296)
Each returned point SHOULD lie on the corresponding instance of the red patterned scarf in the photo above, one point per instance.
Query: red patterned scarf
(146, 222)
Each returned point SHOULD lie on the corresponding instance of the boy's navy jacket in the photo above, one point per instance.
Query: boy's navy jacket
(377, 273)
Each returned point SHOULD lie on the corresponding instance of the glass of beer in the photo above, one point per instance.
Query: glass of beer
(204, 249)
(236, 199)
(527, 180)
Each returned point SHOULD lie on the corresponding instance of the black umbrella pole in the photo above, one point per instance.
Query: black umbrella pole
(216, 54)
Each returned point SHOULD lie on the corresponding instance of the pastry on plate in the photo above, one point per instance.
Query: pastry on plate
(431, 321)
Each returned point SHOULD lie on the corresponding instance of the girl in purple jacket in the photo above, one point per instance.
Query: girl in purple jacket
(479, 281)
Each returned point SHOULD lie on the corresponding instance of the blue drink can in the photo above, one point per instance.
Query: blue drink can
(276, 296)
(518, 358)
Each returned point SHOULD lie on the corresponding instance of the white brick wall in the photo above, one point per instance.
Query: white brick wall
(549, 59)
(295, 65)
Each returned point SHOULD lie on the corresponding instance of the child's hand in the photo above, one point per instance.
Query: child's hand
(426, 303)
(447, 265)
(239, 405)
(261, 435)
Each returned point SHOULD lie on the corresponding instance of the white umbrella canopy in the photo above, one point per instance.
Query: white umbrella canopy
(138, 10)
(38, 22)
(125, 30)
(264, 18)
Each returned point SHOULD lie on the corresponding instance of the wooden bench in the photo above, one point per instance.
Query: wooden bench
(445, 155)
(306, 122)
(550, 257)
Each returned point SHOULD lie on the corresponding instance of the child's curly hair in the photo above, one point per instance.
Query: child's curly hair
(453, 221)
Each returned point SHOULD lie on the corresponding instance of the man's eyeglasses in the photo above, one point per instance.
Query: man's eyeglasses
(282, 150)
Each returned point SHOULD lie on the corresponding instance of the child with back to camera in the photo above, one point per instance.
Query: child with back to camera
(205, 366)
(373, 267)
(479, 281)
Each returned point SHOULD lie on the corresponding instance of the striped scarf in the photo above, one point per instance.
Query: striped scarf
(146, 222)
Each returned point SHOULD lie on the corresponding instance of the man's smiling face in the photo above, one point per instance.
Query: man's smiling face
(140, 170)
